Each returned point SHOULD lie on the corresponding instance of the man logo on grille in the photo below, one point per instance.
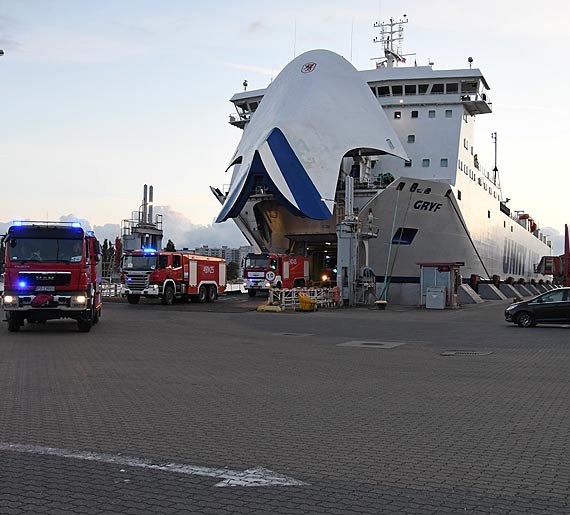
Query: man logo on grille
(308, 67)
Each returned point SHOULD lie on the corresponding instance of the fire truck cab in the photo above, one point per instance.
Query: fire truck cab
(170, 275)
(264, 271)
(52, 270)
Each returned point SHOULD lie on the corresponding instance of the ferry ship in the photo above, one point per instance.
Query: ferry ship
(404, 135)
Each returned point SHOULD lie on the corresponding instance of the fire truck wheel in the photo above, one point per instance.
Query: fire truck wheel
(14, 323)
(212, 293)
(96, 316)
(84, 324)
(251, 293)
(168, 296)
(202, 294)
(133, 299)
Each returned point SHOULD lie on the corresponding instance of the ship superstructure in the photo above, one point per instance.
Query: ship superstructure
(439, 204)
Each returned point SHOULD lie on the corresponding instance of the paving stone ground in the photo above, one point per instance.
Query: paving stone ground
(400, 430)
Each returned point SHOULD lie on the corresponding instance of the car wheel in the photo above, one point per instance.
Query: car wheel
(525, 319)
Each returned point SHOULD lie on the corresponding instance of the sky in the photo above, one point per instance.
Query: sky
(99, 98)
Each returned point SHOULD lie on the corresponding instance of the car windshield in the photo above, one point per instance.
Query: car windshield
(139, 262)
(257, 262)
(65, 250)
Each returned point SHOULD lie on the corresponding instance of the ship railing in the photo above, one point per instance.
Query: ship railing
(288, 298)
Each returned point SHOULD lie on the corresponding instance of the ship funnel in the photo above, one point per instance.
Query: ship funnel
(150, 204)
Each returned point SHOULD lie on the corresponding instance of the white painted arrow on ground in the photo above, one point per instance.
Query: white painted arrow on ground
(251, 477)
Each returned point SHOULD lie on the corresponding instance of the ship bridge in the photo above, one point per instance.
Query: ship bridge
(419, 85)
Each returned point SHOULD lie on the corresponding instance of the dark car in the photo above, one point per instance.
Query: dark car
(552, 307)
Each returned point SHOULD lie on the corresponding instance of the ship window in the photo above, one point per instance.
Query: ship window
(425, 163)
(471, 150)
(469, 87)
(408, 163)
(479, 181)
(397, 114)
(410, 89)
(253, 106)
(448, 113)
(505, 225)
(511, 228)
(452, 87)
(437, 88)
(423, 88)
(373, 89)
(397, 90)
(431, 114)
(414, 114)
(383, 91)
(404, 236)
(443, 162)
(458, 194)
(488, 214)
(411, 138)
(465, 143)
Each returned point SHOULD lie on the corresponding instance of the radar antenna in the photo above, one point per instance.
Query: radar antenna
(391, 37)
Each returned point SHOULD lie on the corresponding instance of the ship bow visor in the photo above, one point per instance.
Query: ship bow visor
(276, 167)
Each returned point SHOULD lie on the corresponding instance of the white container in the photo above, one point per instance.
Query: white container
(435, 298)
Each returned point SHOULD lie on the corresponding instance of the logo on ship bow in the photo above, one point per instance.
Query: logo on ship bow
(308, 67)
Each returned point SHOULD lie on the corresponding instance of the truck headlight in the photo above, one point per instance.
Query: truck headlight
(78, 300)
(10, 300)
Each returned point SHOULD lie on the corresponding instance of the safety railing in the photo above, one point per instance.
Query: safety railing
(111, 289)
(289, 298)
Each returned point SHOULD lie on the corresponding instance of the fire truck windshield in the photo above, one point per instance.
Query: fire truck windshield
(257, 262)
(45, 249)
(140, 262)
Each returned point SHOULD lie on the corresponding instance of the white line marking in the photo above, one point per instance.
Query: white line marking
(257, 476)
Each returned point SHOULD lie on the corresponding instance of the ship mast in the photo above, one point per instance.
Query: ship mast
(391, 37)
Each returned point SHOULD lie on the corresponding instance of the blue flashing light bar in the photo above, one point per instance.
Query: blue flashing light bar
(17, 223)
(148, 250)
(75, 224)
(22, 284)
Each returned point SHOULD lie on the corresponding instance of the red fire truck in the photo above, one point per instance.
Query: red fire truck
(264, 271)
(169, 275)
(52, 270)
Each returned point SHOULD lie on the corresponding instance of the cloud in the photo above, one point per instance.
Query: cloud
(185, 234)
(255, 26)
(557, 239)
